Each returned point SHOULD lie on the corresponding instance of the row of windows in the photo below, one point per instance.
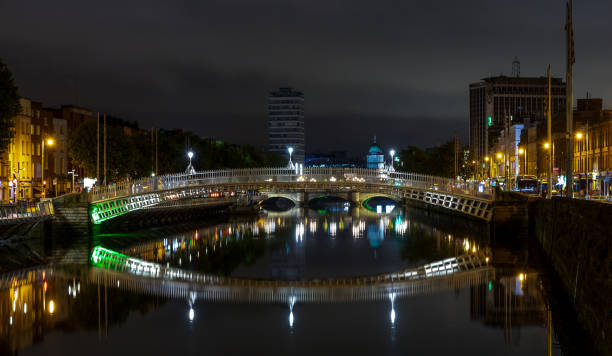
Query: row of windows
(286, 112)
(276, 124)
(539, 90)
(286, 118)
(285, 106)
(286, 129)
(297, 136)
(299, 101)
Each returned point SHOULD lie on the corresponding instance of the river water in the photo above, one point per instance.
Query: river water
(56, 300)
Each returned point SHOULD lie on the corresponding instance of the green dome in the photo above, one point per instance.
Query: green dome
(375, 149)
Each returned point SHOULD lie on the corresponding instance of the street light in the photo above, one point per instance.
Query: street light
(190, 168)
(524, 151)
(579, 137)
(290, 150)
(49, 142)
(392, 153)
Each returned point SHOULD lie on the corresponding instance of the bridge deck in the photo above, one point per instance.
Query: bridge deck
(111, 201)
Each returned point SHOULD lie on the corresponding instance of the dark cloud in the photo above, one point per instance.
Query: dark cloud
(399, 69)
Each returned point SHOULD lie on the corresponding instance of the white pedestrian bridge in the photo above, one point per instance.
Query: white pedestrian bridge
(355, 184)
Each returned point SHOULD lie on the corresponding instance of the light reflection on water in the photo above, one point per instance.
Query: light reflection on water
(302, 245)
(506, 313)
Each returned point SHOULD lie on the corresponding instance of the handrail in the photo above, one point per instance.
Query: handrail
(15, 212)
(249, 175)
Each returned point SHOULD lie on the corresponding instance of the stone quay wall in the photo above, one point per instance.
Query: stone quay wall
(576, 236)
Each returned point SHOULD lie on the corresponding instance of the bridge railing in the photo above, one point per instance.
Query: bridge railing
(15, 212)
(171, 181)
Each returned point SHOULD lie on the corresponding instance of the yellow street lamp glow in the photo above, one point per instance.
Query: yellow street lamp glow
(579, 135)
(521, 276)
(487, 158)
(499, 155)
(521, 151)
(473, 162)
(487, 259)
(51, 307)
(50, 142)
(546, 145)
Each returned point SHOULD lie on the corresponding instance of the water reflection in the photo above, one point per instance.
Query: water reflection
(278, 260)
(307, 245)
(42, 304)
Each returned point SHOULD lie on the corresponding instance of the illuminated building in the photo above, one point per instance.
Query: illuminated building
(375, 158)
(21, 166)
(286, 123)
(494, 98)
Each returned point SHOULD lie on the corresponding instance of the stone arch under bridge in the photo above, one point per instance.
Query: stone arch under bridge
(301, 198)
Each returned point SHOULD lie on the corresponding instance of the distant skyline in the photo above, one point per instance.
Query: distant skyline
(398, 70)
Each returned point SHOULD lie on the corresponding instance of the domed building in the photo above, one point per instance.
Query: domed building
(375, 158)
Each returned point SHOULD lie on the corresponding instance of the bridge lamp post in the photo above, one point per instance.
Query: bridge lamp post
(392, 153)
(190, 168)
(290, 150)
(49, 142)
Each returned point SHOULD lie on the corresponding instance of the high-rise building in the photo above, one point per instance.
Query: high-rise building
(286, 123)
(496, 101)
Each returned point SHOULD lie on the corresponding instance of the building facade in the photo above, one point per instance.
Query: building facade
(39, 145)
(286, 123)
(495, 100)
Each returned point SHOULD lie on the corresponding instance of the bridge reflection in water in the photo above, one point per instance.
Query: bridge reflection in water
(142, 272)
(34, 302)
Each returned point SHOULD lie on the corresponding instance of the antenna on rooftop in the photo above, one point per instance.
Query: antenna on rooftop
(516, 67)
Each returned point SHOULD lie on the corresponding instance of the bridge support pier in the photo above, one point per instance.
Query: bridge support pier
(300, 199)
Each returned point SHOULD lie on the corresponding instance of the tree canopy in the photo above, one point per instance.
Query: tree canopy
(132, 155)
(438, 161)
(9, 106)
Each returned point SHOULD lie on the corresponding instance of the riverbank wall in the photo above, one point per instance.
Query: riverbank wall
(576, 237)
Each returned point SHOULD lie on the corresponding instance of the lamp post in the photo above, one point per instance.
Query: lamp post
(392, 153)
(587, 167)
(548, 170)
(290, 150)
(524, 152)
(579, 137)
(499, 156)
(50, 142)
(190, 169)
(489, 166)
(72, 172)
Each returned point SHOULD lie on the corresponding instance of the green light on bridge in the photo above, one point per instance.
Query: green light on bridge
(100, 256)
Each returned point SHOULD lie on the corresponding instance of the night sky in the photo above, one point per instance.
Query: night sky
(397, 69)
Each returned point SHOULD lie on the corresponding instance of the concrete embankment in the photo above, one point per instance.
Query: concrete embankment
(576, 237)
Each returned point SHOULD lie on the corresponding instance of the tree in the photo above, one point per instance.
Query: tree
(9, 106)
(121, 153)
